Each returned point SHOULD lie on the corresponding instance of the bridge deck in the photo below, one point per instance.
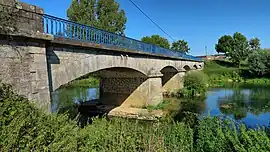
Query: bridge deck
(62, 28)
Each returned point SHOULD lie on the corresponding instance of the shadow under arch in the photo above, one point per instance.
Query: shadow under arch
(115, 87)
(187, 68)
(168, 72)
(195, 66)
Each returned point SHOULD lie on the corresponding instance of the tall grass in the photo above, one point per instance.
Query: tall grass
(25, 128)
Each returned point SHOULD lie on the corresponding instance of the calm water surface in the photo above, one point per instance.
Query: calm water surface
(249, 106)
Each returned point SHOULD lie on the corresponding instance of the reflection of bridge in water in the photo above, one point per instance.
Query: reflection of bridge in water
(132, 73)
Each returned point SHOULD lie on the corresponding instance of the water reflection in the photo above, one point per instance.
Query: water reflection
(243, 104)
(67, 100)
(248, 106)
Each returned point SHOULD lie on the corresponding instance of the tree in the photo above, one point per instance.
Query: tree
(240, 48)
(259, 63)
(157, 40)
(236, 47)
(225, 44)
(181, 46)
(254, 44)
(102, 14)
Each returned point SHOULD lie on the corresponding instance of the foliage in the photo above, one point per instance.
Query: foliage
(240, 49)
(102, 14)
(9, 17)
(224, 44)
(83, 82)
(181, 46)
(156, 40)
(195, 83)
(25, 128)
(255, 44)
(259, 63)
(216, 135)
(222, 71)
(236, 47)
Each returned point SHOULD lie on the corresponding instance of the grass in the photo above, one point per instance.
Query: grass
(221, 72)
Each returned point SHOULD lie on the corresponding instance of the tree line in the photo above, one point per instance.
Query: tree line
(238, 49)
(107, 15)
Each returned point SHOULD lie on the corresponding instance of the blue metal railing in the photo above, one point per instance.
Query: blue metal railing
(75, 31)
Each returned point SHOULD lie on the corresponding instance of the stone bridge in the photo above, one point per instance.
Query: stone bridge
(36, 63)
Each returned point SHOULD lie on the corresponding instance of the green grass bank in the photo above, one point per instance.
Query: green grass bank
(221, 72)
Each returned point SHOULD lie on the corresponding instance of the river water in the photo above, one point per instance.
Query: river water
(243, 104)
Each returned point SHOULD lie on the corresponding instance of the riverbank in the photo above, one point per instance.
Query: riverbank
(222, 72)
(25, 128)
(84, 82)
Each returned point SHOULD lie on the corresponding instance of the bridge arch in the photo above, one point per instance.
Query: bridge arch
(168, 72)
(195, 67)
(187, 68)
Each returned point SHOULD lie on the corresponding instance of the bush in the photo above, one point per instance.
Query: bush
(259, 63)
(213, 134)
(195, 83)
(25, 128)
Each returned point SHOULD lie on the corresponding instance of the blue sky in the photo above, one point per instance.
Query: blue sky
(200, 22)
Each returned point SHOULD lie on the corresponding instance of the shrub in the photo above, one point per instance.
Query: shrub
(195, 83)
(259, 63)
(25, 128)
(213, 134)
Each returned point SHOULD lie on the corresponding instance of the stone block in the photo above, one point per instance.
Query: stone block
(40, 59)
(36, 50)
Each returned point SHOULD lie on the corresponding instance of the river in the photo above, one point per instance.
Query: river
(242, 104)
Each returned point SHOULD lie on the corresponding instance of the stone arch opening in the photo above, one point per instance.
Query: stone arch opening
(171, 80)
(195, 66)
(168, 72)
(187, 68)
(115, 86)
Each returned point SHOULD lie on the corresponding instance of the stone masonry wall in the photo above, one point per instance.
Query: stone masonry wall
(30, 17)
(23, 65)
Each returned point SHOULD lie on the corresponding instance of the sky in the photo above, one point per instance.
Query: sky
(200, 22)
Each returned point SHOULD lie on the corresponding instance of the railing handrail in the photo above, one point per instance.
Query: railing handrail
(147, 45)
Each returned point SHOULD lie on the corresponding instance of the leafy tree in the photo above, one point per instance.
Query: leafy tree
(103, 14)
(225, 44)
(259, 63)
(181, 46)
(157, 40)
(240, 48)
(236, 47)
(255, 44)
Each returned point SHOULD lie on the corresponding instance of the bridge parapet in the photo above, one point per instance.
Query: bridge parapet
(62, 28)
